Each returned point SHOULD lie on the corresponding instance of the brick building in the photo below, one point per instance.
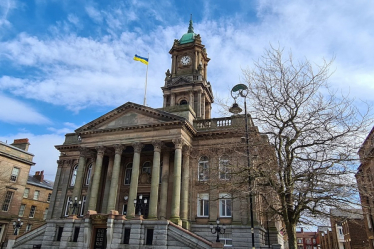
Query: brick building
(325, 237)
(364, 177)
(15, 163)
(307, 240)
(354, 235)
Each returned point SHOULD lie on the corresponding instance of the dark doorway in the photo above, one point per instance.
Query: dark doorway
(144, 208)
(100, 238)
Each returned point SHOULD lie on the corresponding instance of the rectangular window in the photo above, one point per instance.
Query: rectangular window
(21, 210)
(49, 197)
(68, 200)
(59, 233)
(28, 227)
(36, 194)
(126, 236)
(226, 239)
(224, 168)
(149, 237)
(14, 175)
(7, 200)
(45, 214)
(26, 193)
(203, 205)
(32, 212)
(128, 176)
(225, 205)
(76, 234)
(203, 170)
(83, 205)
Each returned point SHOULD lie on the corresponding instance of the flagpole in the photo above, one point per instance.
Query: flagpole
(145, 88)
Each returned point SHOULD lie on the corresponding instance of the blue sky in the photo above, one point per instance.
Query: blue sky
(65, 63)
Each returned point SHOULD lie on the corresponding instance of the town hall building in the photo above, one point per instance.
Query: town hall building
(143, 177)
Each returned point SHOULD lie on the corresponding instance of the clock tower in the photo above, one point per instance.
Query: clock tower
(186, 83)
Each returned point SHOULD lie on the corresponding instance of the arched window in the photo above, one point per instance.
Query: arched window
(224, 168)
(74, 175)
(146, 167)
(203, 170)
(128, 172)
(88, 175)
(183, 102)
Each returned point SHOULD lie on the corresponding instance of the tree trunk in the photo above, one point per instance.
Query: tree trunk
(291, 233)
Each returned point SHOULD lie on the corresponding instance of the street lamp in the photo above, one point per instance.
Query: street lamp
(241, 90)
(217, 229)
(17, 226)
(141, 204)
(75, 205)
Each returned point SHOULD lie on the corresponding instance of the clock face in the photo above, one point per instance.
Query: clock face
(185, 60)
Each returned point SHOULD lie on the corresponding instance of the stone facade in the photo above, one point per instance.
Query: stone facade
(364, 177)
(15, 163)
(140, 177)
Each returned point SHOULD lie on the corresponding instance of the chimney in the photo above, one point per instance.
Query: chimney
(22, 144)
(39, 175)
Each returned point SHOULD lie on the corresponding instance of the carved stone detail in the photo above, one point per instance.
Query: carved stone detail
(137, 147)
(118, 148)
(157, 144)
(178, 143)
(186, 150)
(84, 152)
(100, 150)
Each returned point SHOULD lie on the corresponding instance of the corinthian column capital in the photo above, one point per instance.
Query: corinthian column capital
(100, 150)
(178, 143)
(118, 148)
(157, 144)
(186, 150)
(137, 147)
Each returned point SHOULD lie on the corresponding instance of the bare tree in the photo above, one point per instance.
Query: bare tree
(315, 134)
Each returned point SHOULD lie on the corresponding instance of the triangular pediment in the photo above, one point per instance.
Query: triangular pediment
(130, 115)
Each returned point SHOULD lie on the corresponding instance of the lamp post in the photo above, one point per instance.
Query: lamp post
(241, 90)
(75, 205)
(217, 230)
(141, 204)
(17, 226)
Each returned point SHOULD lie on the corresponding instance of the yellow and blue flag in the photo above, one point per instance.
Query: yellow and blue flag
(141, 59)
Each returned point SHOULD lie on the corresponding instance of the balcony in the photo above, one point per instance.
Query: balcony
(222, 123)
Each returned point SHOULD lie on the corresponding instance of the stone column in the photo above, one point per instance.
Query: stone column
(198, 110)
(78, 180)
(165, 97)
(153, 201)
(96, 178)
(164, 184)
(203, 106)
(191, 100)
(184, 194)
(55, 186)
(115, 178)
(172, 99)
(134, 179)
(106, 184)
(175, 204)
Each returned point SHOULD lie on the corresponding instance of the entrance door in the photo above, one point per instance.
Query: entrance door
(100, 238)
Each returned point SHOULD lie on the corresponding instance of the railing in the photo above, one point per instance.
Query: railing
(221, 123)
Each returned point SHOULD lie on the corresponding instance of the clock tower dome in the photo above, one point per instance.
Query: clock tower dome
(186, 83)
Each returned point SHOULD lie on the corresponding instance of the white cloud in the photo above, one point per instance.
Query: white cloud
(94, 14)
(14, 111)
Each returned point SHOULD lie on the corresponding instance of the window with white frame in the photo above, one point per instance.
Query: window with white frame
(83, 205)
(21, 210)
(203, 169)
(88, 175)
(146, 168)
(36, 194)
(7, 200)
(14, 175)
(128, 173)
(74, 175)
(203, 205)
(225, 205)
(224, 168)
(68, 200)
(226, 239)
(26, 193)
(32, 212)
(28, 227)
(45, 214)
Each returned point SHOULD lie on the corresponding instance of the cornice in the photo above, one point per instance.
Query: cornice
(16, 158)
